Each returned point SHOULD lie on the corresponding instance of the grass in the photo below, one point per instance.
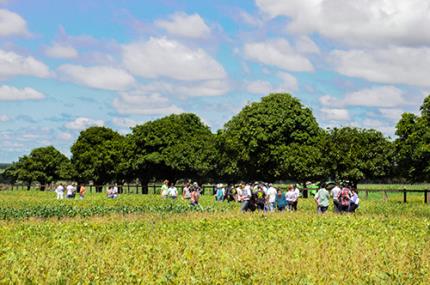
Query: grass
(384, 242)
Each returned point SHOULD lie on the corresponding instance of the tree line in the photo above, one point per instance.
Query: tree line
(275, 139)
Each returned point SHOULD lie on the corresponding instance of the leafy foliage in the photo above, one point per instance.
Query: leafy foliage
(356, 154)
(175, 146)
(44, 164)
(413, 144)
(264, 140)
(96, 155)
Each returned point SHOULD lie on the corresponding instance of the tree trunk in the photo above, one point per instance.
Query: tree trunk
(42, 187)
(305, 190)
(99, 188)
(28, 186)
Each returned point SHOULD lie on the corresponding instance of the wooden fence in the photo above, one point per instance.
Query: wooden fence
(209, 189)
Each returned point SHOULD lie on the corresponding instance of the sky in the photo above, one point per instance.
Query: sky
(69, 65)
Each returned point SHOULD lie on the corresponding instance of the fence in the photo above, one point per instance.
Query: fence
(209, 189)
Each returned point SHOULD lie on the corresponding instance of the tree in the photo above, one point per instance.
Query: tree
(355, 154)
(413, 144)
(96, 154)
(272, 139)
(44, 164)
(173, 147)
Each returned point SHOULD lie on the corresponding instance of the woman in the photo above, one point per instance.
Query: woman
(186, 193)
(82, 192)
(354, 202)
(290, 197)
(281, 202)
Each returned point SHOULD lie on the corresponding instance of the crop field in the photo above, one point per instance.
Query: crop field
(144, 239)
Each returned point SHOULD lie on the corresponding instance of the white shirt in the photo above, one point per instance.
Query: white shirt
(291, 196)
(271, 192)
(70, 189)
(115, 190)
(173, 191)
(246, 193)
(59, 189)
(335, 192)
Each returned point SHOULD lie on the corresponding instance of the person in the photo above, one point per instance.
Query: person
(115, 190)
(245, 198)
(219, 193)
(230, 193)
(335, 193)
(322, 198)
(60, 191)
(281, 201)
(260, 198)
(164, 189)
(344, 197)
(239, 191)
(70, 191)
(82, 192)
(290, 197)
(196, 187)
(271, 198)
(297, 195)
(186, 194)
(195, 195)
(172, 191)
(354, 201)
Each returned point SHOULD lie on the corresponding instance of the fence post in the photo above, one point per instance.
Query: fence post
(404, 195)
(154, 188)
(385, 196)
(367, 194)
(426, 196)
(91, 188)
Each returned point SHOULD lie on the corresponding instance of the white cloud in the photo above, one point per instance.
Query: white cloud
(385, 96)
(359, 22)
(289, 82)
(392, 65)
(64, 136)
(392, 113)
(141, 103)
(335, 114)
(259, 87)
(12, 24)
(278, 53)
(58, 50)
(160, 57)
(4, 118)
(10, 93)
(124, 122)
(181, 24)
(12, 64)
(251, 20)
(101, 77)
(306, 45)
(81, 123)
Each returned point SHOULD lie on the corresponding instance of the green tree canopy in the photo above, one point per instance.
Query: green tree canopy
(44, 164)
(267, 140)
(356, 154)
(96, 155)
(176, 146)
(413, 144)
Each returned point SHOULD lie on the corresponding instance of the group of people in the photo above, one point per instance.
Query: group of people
(190, 192)
(265, 197)
(345, 199)
(71, 191)
(259, 196)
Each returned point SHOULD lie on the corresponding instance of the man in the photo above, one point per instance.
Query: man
(354, 202)
(271, 197)
(70, 191)
(322, 198)
(260, 198)
(297, 194)
(335, 193)
(165, 189)
(60, 191)
(245, 197)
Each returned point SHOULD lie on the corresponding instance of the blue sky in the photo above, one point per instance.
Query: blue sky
(68, 65)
